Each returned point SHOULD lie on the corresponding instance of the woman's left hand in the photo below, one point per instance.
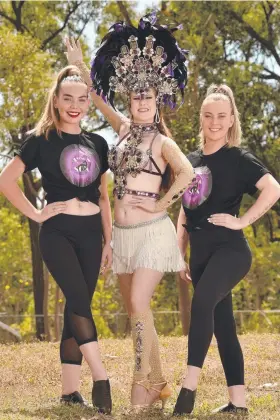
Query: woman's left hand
(226, 220)
(107, 258)
(147, 204)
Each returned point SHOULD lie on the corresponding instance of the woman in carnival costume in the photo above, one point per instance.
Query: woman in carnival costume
(219, 253)
(146, 65)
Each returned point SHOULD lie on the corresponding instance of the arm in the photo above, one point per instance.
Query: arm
(105, 209)
(115, 118)
(183, 171)
(9, 187)
(270, 193)
(75, 57)
(183, 240)
(182, 234)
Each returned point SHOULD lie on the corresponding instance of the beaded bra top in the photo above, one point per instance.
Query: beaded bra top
(131, 160)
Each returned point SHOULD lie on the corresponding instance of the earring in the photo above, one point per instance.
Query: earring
(157, 119)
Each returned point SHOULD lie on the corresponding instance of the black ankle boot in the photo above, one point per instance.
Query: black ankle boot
(185, 402)
(231, 408)
(74, 398)
(101, 396)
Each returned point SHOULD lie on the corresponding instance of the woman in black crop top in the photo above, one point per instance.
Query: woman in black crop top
(219, 253)
(73, 164)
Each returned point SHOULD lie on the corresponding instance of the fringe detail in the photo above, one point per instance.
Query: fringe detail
(152, 245)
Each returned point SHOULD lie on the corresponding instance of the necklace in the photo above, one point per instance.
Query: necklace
(131, 160)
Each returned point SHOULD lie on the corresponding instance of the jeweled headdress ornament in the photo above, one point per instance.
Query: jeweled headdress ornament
(136, 59)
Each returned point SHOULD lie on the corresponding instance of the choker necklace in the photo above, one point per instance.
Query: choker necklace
(137, 131)
(144, 126)
(130, 160)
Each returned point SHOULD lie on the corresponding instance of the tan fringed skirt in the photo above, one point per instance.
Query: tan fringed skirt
(151, 244)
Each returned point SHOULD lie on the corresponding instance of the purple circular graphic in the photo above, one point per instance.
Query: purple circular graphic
(200, 188)
(79, 164)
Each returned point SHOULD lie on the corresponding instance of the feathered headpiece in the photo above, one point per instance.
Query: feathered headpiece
(136, 59)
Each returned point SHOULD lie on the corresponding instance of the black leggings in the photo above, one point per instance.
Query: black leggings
(71, 247)
(219, 260)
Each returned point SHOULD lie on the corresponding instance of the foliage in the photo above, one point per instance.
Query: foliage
(233, 42)
(15, 264)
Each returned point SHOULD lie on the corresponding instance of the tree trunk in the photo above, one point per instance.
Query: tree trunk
(37, 262)
(124, 12)
(184, 305)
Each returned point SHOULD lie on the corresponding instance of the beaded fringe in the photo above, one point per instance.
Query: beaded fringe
(151, 244)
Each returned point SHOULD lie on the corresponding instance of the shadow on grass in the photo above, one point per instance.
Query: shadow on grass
(157, 414)
(88, 413)
(55, 412)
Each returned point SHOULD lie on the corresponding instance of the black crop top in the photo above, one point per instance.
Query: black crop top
(220, 181)
(71, 165)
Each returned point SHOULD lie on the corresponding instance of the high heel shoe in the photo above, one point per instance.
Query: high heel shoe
(145, 384)
(231, 408)
(74, 398)
(164, 393)
(101, 396)
(185, 402)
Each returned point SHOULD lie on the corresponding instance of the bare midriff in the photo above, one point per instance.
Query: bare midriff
(125, 212)
(81, 208)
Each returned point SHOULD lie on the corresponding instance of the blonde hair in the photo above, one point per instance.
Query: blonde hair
(50, 117)
(223, 93)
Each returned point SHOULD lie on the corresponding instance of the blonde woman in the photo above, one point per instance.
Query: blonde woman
(72, 163)
(146, 65)
(219, 253)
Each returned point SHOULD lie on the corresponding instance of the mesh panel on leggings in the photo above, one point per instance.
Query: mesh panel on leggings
(83, 329)
(70, 352)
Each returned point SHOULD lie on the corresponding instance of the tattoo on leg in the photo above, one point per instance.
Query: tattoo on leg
(139, 345)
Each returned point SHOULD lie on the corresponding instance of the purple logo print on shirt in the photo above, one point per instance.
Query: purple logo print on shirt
(200, 188)
(79, 164)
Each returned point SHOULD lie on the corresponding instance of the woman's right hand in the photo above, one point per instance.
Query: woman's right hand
(50, 210)
(74, 51)
(185, 274)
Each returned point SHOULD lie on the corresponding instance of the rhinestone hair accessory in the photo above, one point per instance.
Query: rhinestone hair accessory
(218, 90)
(136, 59)
(73, 78)
(137, 71)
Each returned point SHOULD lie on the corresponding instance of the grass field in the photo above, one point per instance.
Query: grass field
(30, 380)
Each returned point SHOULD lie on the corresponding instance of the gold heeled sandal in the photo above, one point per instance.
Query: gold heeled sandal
(164, 393)
(138, 407)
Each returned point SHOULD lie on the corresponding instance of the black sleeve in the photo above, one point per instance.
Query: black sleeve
(29, 152)
(104, 156)
(251, 171)
(190, 157)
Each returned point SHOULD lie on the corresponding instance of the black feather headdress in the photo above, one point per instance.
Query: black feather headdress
(137, 59)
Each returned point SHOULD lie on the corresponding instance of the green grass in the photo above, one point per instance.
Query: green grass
(30, 380)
